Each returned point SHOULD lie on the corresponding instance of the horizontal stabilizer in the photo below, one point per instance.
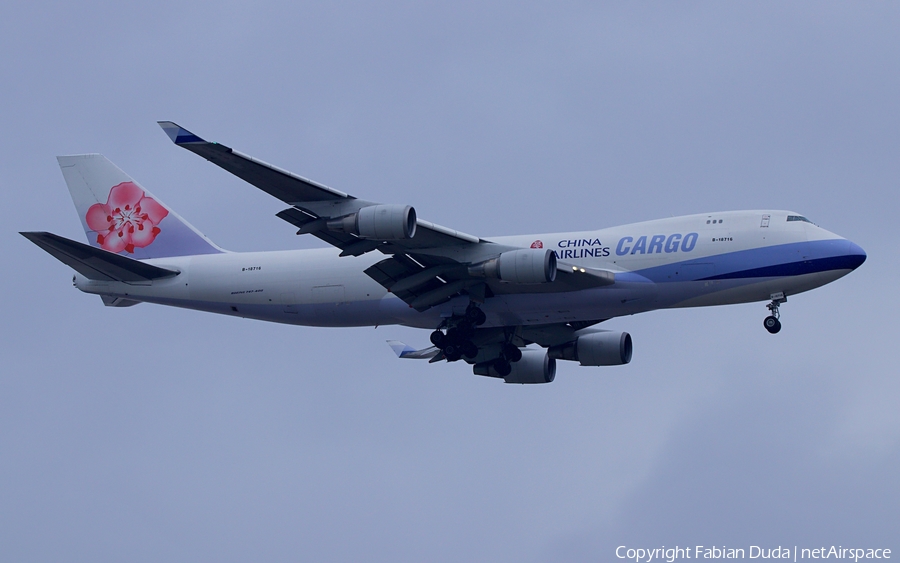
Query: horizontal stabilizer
(408, 352)
(96, 263)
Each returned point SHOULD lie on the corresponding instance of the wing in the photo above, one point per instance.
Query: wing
(309, 200)
(427, 264)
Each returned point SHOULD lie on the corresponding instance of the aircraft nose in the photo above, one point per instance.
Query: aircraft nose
(855, 255)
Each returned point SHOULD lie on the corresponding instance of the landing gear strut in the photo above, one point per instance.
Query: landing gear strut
(772, 324)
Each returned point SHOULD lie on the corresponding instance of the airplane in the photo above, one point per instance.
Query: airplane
(509, 306)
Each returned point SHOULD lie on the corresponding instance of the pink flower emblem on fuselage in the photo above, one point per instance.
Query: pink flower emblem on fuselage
(537, 244)
(127, 220)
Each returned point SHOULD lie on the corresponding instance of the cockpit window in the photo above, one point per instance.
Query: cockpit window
(798, 218)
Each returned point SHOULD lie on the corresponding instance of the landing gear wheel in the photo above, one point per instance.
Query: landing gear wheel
(469, 349)
(475, 316)
(502, 367)
(461, 332)
(438, 339)
(512, 353)
(772, 324)
(452, 352)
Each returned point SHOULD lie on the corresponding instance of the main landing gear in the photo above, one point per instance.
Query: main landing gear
(455, 336)
(772, 324)
(509, 353)
(457, 342)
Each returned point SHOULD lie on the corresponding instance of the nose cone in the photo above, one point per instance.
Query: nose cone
(855, 255)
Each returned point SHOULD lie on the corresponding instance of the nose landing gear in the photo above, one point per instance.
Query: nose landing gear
(772, 324)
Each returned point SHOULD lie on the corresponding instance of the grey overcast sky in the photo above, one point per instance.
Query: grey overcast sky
(155, 434)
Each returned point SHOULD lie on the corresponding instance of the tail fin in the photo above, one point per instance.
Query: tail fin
(120, 216)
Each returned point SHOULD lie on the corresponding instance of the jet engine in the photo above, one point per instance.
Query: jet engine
(534, 367)
(378, 222)
(596, 349)
(527, 265)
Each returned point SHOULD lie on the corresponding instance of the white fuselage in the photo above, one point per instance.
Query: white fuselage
(697, 260)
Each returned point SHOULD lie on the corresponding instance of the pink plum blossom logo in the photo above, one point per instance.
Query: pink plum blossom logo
(537, 244)
(127, 220)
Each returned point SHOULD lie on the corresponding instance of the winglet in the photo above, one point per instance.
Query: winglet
(178, 134)
(408, 352)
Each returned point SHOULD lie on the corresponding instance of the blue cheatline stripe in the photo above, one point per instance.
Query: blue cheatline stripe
(781, 260)
(846, 262)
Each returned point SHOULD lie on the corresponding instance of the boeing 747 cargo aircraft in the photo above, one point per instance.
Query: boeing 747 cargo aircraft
(510, 306)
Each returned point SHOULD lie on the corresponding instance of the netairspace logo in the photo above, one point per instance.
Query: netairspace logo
(671, 554)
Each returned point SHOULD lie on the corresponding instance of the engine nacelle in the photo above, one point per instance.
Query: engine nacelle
(534, 367)
(378, 222)
(596, 349)
(527, 265)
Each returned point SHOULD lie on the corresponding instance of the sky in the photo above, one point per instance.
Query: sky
(158, 434)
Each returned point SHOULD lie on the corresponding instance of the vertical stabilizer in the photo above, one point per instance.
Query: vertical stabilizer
(120, 216)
